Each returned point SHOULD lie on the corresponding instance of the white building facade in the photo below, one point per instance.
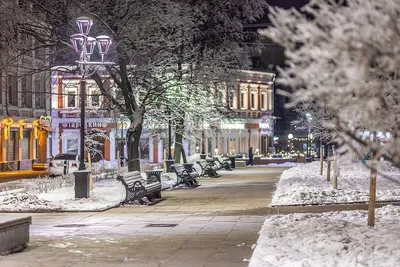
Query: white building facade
(252, 101)
(101, 124)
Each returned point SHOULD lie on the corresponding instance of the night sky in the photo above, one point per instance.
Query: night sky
(287, 3)
(284, 4)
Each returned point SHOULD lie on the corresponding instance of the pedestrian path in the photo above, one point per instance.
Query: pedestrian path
(213, 225)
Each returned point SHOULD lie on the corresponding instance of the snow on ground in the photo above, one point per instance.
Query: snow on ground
(329, 239)
(105, 194)
(57, 194)
(286, 164)
(303, 185)
(193, 158)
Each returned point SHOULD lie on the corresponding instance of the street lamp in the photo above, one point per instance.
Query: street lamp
(85, 45)
(290, 137)
(309, 119)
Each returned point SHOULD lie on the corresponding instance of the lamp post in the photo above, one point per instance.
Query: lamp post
(290, 137)
(124, 123)
(84, 45)
(309, 119)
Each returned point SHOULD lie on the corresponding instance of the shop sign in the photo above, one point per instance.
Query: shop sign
(45, 120)
(77, 125)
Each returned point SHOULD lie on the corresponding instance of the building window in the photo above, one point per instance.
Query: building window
(231, 97)
(71, 98)
(12, 87)
(40, 91)
(253, 101)
(72, 145)
(242, 99)
(263, 98)
(26, 92)
(95, 98)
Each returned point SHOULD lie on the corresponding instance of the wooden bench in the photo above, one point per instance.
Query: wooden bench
(208, 168)
(137, 188)
(184, 176)
(223, 163)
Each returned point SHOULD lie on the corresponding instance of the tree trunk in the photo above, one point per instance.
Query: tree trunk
(372, 190)
(335, 169)
(133, 139)
(184, 156)
(178, 141)
(328, 171)
(321, 159)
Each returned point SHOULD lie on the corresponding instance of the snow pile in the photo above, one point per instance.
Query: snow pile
(193, 158)
(57, 194)
(302, 185)
(60, 196)
(286, 164)
(329, 239)
(168, 180)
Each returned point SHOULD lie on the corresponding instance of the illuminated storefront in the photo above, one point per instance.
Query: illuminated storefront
(23, 143)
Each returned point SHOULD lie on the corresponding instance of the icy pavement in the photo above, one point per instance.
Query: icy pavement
(212, 226)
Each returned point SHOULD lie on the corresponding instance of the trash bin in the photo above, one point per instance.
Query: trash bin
(188, 166)
(82, 184)
(122, 160)
(233, 160)
(169, 162)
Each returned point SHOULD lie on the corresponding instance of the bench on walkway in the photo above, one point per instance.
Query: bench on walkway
(14, 233)
(154, 174)
(184, 176)
(207, 168)
(137, 188)
(223, 163)
(109, 173)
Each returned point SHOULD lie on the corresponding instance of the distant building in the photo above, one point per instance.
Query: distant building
(102, 124)
(25, 110)
(252, 101)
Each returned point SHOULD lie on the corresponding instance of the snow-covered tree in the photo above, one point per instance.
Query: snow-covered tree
(152, 41)
(343, 56)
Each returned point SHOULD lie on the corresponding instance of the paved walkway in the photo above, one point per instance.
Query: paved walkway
(212, 225)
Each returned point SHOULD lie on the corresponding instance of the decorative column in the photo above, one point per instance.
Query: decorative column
(60, 132)
(249, 141)
(238, 97)
(248, 97)
(228, 140)
(259, 96)
(227, 98)
(60, 91)
(107, 147)
(155, 148)
(237, 148)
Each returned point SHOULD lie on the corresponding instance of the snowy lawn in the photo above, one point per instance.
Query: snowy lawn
(286, 164)
(329, 239)
(302, 185)
(105, 194)
(57, 194)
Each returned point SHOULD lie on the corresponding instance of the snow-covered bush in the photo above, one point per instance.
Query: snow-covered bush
(343, 56)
